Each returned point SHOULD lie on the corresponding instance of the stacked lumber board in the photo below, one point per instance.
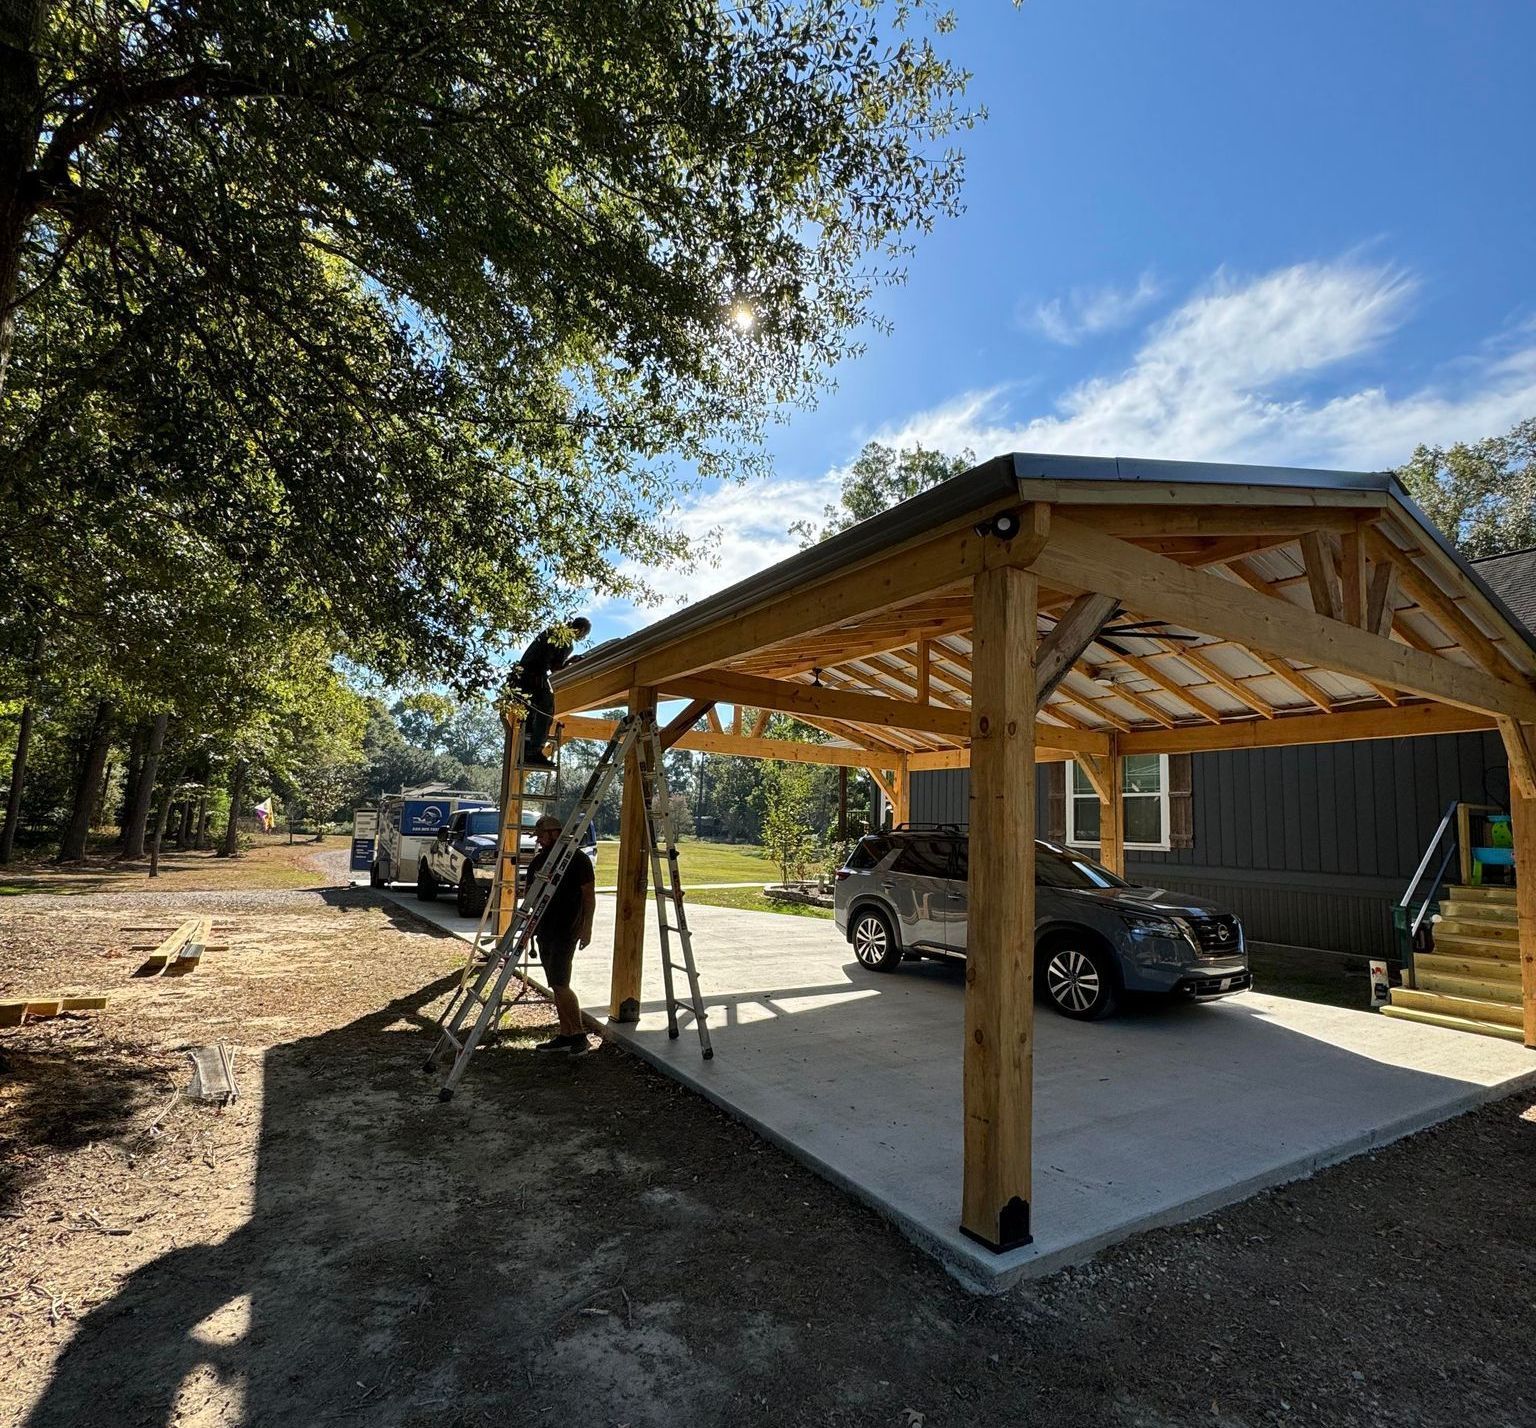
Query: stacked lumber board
(1470, 981)
(17, 1011)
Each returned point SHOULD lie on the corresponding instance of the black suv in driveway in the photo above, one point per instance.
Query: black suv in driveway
(903, 893)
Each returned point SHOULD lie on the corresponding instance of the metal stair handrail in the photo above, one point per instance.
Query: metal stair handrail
(1446, 824)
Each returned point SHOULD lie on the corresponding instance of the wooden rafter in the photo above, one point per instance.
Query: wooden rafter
(1192, 599)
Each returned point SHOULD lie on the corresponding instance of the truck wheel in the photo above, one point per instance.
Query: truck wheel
(426, 884)
(471, 899)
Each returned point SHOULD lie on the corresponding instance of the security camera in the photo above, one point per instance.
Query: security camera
(1004, 525)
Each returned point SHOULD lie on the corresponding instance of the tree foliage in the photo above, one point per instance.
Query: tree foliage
(882, 477)
(417, 313)
(1483, 493)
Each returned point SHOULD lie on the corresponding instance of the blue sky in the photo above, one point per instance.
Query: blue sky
(1205, 230)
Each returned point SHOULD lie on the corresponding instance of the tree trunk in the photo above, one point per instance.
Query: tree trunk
(200, 837)
(162, 817)
(133, 773)
(92, 762)
(144, 791)
(236, 793)
(18, 778)
(99, 807)
(184, 830)
(19, 759)
(21, 28)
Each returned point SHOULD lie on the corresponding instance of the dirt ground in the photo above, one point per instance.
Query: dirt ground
(579, 1240)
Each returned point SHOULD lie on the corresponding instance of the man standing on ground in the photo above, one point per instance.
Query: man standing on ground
(551, 650)
(565, 925)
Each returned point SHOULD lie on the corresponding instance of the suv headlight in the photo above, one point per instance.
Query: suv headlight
(1151, 924)
(486, 855)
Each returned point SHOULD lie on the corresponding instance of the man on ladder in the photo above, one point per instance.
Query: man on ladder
(475, 1008)
(551, 650)
(565, 925)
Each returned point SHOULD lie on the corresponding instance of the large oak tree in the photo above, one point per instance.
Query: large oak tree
(419, 313)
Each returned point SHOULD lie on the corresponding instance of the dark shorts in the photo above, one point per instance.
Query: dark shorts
(557, 950)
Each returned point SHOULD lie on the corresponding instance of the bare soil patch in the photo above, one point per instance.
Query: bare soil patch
(580, 1240)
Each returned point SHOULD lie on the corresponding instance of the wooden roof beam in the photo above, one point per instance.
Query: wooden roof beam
(1221, 521)
(1440, 607)
(1216, 675)
(800, 699)
(917, 567)
(1341, 727)
(743, 746)
(1164, 589)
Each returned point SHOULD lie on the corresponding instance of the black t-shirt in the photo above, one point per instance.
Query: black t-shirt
(547, 652)
(563, 915)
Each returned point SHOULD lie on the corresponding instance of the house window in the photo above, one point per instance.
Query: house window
(1145, 804)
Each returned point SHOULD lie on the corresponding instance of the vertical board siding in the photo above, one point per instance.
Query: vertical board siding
(1310, 845)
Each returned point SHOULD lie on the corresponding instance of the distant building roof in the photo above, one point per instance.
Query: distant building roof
(1512, 578)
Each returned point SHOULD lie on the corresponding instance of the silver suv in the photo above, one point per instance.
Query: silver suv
(903, 894)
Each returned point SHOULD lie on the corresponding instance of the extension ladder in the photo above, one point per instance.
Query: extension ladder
(477, 1004)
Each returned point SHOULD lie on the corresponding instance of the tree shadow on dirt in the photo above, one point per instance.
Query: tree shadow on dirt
(62, 1097)
(363, 1182)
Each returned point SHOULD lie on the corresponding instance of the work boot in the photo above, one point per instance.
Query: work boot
(556, 1043)
(578, 1045)
(536, 759)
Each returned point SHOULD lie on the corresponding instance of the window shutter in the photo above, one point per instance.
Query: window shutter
(1056, 802)
(1181, 801)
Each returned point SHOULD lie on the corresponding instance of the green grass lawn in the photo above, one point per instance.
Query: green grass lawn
(751, 900)
(700, 862)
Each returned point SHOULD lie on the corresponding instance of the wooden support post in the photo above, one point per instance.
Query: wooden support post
(1000, 960)
(1464, 841)
(924, 671)
(1107, 775)
(1322, 575)
(633, 881)
(510, 843)
(1379, 609)
(1352, 576)
(902, 778)
(1520, 745)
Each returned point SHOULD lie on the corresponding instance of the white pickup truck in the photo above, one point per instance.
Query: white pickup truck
(407, 826)
(463, 856)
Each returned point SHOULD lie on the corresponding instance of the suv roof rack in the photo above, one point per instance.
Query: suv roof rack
(927, 828)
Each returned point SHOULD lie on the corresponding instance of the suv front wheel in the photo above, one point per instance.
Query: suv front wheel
(1078, 977)
(874, 944)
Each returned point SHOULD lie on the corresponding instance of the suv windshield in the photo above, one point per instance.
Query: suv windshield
(486, 821)
(1054, 869)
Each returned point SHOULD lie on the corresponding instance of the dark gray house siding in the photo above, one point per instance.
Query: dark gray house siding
(1312, 845)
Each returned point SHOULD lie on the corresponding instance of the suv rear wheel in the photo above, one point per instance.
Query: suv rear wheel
(874, 944)
(1078, 977)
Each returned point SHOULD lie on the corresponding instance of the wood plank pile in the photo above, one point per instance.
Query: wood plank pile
(176, 952)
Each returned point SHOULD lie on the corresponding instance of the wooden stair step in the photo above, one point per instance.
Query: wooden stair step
(1491, 969)
(1482, 931)
(1455, 1023)
(1479, 989)
(1492, 948)
(1468, 1008)
(1481, 893)
(1483, 914)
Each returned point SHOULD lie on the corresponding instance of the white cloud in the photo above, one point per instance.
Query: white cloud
(1231, 376)
(1236, 373)
(745, 527)
(1087, 312)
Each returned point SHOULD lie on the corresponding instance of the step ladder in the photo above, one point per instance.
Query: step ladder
(666, 885)
(481, 996)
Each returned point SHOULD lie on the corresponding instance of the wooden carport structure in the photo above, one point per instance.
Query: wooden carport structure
(1050, 607)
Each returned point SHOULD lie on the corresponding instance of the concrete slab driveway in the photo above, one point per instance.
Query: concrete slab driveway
(1159, 1115)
